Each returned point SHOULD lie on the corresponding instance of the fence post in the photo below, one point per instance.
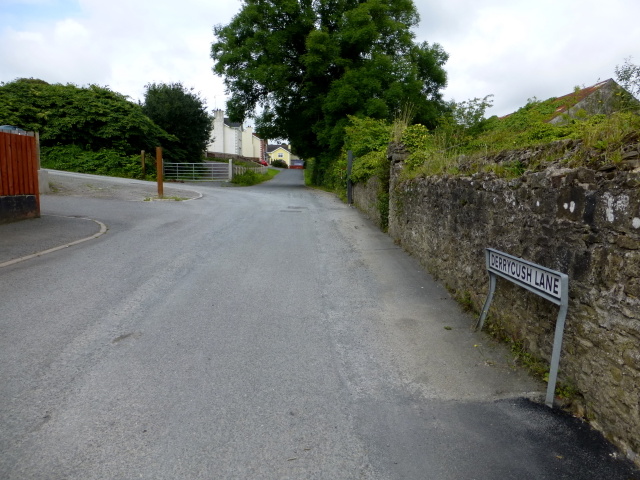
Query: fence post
(230, 169)
(159, 171)
(143, 166)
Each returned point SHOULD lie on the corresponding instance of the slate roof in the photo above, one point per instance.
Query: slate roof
(229, 123)
(273, 148)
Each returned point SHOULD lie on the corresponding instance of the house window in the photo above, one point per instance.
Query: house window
(280, 155)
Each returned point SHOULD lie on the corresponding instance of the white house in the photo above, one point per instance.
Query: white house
(231, 138)
(251, 144)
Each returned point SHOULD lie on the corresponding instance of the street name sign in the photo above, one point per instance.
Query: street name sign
(547, 283)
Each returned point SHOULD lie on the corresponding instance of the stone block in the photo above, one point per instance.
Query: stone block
(18, 207)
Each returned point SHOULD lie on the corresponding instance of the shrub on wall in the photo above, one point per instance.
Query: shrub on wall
(368, 139)
(372, 164)
(451, 149)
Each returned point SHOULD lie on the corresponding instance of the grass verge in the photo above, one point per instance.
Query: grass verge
(251, 177)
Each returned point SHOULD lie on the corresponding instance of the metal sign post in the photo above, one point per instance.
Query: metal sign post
(549, 284)
(349, 184)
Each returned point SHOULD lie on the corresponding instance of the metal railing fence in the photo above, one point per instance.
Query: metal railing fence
(198, 172)
(207, 171)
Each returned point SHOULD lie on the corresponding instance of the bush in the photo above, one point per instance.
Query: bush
(364, 135)
(250, 177)
(601, 139)
(416, 137)
(372, 164)
(92, 117)
(106, 161)
(279, 164)
(253, 177)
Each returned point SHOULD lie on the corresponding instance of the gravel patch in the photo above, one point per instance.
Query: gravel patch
(118, 188)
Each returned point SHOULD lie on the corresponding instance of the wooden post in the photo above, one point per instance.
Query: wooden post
(159, 172)
(144, 173)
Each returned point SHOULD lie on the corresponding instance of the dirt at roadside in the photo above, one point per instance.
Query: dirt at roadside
(120, 189)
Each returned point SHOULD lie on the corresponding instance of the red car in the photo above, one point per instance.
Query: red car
(263, 162)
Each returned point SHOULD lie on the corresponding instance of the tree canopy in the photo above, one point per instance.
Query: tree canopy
(182, 113)
(301, 67)
(628, 75)
(92, 118)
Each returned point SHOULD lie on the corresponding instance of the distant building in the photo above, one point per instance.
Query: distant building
(232, 139)
(281, 152)
(252, 146)
(602, 98)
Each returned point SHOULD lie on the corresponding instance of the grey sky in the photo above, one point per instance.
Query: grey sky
(513, 49)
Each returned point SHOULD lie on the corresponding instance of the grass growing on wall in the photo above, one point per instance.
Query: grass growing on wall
(449, 149)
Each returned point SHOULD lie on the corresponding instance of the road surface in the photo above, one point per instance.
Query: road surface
(268, 332)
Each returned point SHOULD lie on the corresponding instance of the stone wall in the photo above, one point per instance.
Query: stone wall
(579, 221)
(365, 198)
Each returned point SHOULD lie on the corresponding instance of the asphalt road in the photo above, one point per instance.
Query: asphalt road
(268, 332)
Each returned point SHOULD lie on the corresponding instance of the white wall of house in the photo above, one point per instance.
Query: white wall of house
(232, 140)
(225, 139)
(257, 147)
(216, 143)
(250, 143)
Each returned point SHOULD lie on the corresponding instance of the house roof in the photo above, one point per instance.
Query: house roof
(569, 100)
(229, 123)
(273, 148)
(602, 98)
(599, 98)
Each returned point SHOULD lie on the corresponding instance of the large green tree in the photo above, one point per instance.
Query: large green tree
(306, 65)
(182, 113)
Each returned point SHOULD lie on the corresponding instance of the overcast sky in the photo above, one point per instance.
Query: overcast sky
(513, 49)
